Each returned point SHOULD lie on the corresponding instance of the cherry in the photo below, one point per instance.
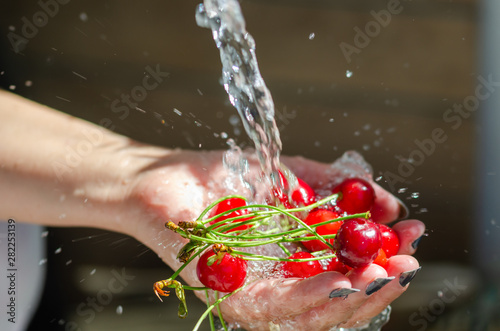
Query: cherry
(301, 269)
(390, 240)
(381, 258)
(229, 204)
(336, 265)
(302, 194)
(225, 275)
(358, 242)
(318, 216)
(358, 195)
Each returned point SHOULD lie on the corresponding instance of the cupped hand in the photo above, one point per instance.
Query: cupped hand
(178, 185)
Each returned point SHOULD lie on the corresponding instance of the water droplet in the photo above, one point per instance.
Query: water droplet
(12, 28)
(331, 120)
(83, 17)
(62, 216)
(199, 92)
(92, 271)
(366, 147)
(423, 210)
(223, 135)
(348, 74)
(42, 262)
(119, 310)
(378, 179)
(312, 35)
(44, 234)
(28, 83)
(58, 251)
(69, 262)
(357, 133)
(12, 87)
(177, 111)
(415, 195)
(440, 294)
(402, 190)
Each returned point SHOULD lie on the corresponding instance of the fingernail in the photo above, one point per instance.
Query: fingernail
(416, 242)
(342, 292)
(377, 284)
(403, 210)
(407, 276)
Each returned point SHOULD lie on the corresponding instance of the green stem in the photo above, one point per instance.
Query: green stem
(188, 261)
(257, 257)
(210, 315)
(219, 312)
(209, 309)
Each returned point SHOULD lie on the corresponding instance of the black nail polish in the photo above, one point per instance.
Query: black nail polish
(342, 292)
(416, 242)
(403, 210)
(377, 284)
(407, 276)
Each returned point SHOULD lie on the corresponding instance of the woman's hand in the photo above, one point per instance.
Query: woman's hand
(179, 185)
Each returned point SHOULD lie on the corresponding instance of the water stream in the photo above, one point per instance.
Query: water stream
(242, 79)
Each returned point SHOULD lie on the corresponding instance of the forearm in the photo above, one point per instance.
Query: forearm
(56, 169)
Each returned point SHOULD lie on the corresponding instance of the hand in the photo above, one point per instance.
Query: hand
(179, 185)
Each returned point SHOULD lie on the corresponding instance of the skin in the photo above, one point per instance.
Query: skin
(62, 165)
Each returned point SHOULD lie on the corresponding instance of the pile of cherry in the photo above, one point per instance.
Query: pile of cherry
(352, 243)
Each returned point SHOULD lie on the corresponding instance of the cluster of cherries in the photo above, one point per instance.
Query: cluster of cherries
(358, 242)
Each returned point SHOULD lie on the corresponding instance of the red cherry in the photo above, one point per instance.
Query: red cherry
(336, 265)
(229, 204)
(381, 259)
(304, 269)
(357, 195)
(390, 240)
(318, 216)
(358, 242)
(303, 194)
(224, 276)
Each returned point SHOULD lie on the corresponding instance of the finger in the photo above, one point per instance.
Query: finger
(339, 309)
(387, 207)
(403, 268)
(409, 234)
(274, 299)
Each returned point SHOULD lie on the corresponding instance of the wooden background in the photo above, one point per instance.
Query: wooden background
(403, 81)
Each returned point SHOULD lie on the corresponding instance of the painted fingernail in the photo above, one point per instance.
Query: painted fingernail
(342, 292)
(377, 284)
(407, 276)
(416, 242)
(403, 210)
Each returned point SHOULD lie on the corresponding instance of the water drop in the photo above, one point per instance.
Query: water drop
(402, 190)
(119, 310)
(12, 28)
(62, 216)
(415, 195)
(69, 262)
(58, 251)
(199, 92)
(44, 234)
(378, 179)
(177, 111)
(348, 74)
(42, 262)
(312, 35)
(440, 294)
(28, 83)
(331, 120)
(83, 17)
(12, 87)
(92, 271)
(223, 135)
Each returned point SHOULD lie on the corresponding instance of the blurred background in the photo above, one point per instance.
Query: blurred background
(343, 76)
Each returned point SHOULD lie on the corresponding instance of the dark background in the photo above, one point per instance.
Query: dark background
(402, 82)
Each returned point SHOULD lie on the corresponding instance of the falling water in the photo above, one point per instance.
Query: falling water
(242, 80)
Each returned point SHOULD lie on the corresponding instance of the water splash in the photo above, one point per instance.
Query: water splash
(242, 79)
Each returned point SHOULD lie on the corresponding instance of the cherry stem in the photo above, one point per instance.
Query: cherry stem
(209, 309)
(178, 271)
(210, 315)
(219, 312)
(257, 257)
